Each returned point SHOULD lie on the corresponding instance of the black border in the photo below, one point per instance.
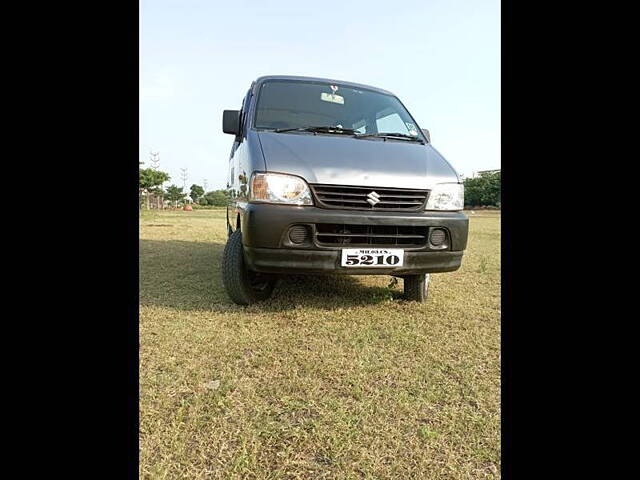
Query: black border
(506, 335)
(95, 72)
(85, 70)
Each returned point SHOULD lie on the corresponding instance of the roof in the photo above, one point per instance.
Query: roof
(316, 79)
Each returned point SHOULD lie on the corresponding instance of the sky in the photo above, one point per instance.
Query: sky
(198, 58)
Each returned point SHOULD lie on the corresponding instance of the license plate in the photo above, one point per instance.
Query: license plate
(372, 257)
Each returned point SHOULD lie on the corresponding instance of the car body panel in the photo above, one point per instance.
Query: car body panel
(344, 160)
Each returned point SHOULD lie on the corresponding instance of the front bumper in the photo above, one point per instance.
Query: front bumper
(286, 260)
(268, 250)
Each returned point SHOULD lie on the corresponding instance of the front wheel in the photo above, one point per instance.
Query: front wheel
(243, 286)
(416, 287)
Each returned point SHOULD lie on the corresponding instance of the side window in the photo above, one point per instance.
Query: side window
(237, 140)
(241, 122)
(244, 112)
(391, 124)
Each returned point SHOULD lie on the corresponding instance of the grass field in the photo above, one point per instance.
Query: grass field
(335, 377)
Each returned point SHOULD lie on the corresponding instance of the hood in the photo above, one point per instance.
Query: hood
(344, 160)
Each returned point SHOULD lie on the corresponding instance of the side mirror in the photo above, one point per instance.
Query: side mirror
(231, 122)
(426, 134)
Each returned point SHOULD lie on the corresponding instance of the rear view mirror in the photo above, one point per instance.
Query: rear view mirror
(426, 134)
(231, 122)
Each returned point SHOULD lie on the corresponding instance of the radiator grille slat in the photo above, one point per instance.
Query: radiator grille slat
(373, 235)
(345, 235)
(349, 197)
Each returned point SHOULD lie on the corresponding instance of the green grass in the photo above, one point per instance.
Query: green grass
(334, 377)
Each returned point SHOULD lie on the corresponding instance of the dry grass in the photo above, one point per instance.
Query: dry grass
(335, 377)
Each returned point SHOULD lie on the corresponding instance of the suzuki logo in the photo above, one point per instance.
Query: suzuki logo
(373, 198)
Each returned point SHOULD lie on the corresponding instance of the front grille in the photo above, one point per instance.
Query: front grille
(356, 198)
(338, 234)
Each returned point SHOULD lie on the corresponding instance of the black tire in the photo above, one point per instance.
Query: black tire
(229, 231)
(416, 287)
(243, 286)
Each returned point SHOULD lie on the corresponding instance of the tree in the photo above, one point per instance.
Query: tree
(151, 180)
(483, 190)
(203, 201)
(175, 194)
(491, 192)
(196, 192)
(217, 198)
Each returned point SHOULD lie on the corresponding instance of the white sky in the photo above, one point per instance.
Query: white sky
(197, 58)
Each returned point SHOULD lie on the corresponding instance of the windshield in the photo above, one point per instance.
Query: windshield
(286, 104)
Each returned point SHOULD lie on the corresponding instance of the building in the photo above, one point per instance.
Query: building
(481, 172)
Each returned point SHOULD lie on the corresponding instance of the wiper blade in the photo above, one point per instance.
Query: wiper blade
(392, 135)
(350, 131)
(322, 129)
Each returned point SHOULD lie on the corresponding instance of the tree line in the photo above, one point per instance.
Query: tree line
(483, 190)
(150, 184)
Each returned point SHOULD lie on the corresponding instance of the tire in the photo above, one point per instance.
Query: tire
(229, 231)
(416, 287)
(243, 286)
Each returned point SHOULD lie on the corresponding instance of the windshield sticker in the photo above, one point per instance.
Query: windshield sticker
(332, 97)
(412, 129)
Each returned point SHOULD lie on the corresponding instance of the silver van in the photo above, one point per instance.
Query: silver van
(333, 177)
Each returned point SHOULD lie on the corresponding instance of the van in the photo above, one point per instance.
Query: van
(334, 177)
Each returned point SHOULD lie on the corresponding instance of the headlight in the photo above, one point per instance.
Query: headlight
(279, 188)
(446, 196)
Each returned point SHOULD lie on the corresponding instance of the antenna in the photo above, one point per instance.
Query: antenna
(155, 160)
(184, 175)
(155, 164)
